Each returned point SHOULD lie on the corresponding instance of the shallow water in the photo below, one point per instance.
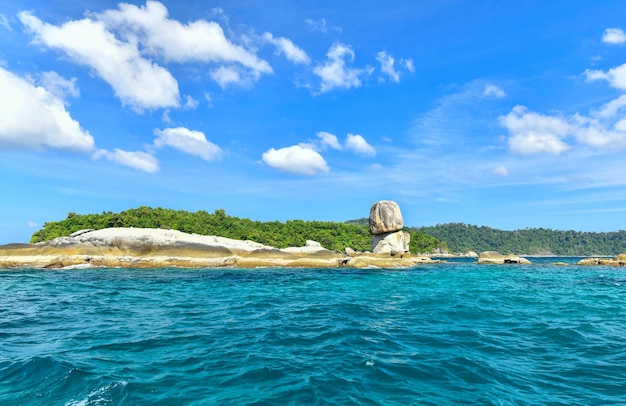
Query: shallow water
(438, 334)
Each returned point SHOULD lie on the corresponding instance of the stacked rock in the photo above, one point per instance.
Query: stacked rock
(386, 225)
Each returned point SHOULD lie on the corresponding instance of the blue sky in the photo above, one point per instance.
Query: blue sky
(506, 114)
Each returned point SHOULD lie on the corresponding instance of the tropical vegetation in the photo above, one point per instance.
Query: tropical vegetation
(292, 233)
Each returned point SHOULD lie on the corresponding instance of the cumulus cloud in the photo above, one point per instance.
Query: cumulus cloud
(136, 81)
(534, 133)
(122, 46)
(493, 91)
(615, 76)
(614, 36)
(31, 117)
(328, 140)
(188, 141)
(141, 161)
(289, 49)
(335, 72)
(358, 145)
(296, 159)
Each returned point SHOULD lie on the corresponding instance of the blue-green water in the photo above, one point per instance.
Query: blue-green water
(455, 333)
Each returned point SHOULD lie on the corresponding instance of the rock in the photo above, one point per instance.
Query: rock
(311, 243)
(619, 260)
(391, 243)
(493, 257)
(385, 217)
(471, 254)
(350, 252)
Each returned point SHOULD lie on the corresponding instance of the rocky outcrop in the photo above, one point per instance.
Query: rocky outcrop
(619, 260)
(385, 217)
(155, 248)
(386, 224)
(391, 243)
(493, 257)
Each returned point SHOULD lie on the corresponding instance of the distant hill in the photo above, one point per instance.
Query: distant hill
(461, 237)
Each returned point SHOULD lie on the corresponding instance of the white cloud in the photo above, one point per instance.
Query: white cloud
(141, 161)
(358, 145)
(533, 133)
(196, 41)
(386, 66)
(296, 159)
(614, 36)
(500, 170)
(136, 81)
(320, 25)
(288, 48)
(31, 224)
(188, 141)
(335, 73)
(225, 76)
(59, 86)
(493, 91)
(31, 117)
(615, 76)
(408, 64)
(328, 140)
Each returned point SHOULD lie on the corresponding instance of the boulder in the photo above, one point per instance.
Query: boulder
(493, 257)
(391, 243)
(385, 217)
(350, 252)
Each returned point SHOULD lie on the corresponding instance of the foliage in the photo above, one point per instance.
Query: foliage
(293, 233)
(530, 241)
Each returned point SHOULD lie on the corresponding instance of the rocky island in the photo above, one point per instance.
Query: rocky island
(153, 248)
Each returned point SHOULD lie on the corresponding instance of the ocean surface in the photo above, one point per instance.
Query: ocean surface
(444, 334)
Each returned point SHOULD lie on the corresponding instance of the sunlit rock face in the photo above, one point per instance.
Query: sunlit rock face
(386, 225)
(385, 217)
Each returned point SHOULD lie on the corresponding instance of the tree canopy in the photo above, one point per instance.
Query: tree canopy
(462, 237)
(292, 233)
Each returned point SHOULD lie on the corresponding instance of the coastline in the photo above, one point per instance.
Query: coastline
(158, 248)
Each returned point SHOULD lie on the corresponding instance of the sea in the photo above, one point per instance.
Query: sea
(454, 333)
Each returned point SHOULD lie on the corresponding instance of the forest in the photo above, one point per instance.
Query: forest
(292, 233)
(461, 237)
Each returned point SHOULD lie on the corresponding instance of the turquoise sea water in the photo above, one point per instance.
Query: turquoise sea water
(445, 334)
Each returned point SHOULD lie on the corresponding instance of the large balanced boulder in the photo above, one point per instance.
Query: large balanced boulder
(391, 243)
(385, 217)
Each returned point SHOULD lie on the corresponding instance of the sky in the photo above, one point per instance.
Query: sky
(508, 114)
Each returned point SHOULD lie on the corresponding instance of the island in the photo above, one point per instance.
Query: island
(137, 247)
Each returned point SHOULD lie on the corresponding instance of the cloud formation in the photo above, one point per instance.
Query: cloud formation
(136, 81)
(614, 36)
(33, 118)
(358, 145)
(188, 141)
(138, 160)
(296, 159)
(124, 47)
(285, 47)
(335, 73)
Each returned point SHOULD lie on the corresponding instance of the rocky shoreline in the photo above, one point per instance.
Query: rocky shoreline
(156, 248)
